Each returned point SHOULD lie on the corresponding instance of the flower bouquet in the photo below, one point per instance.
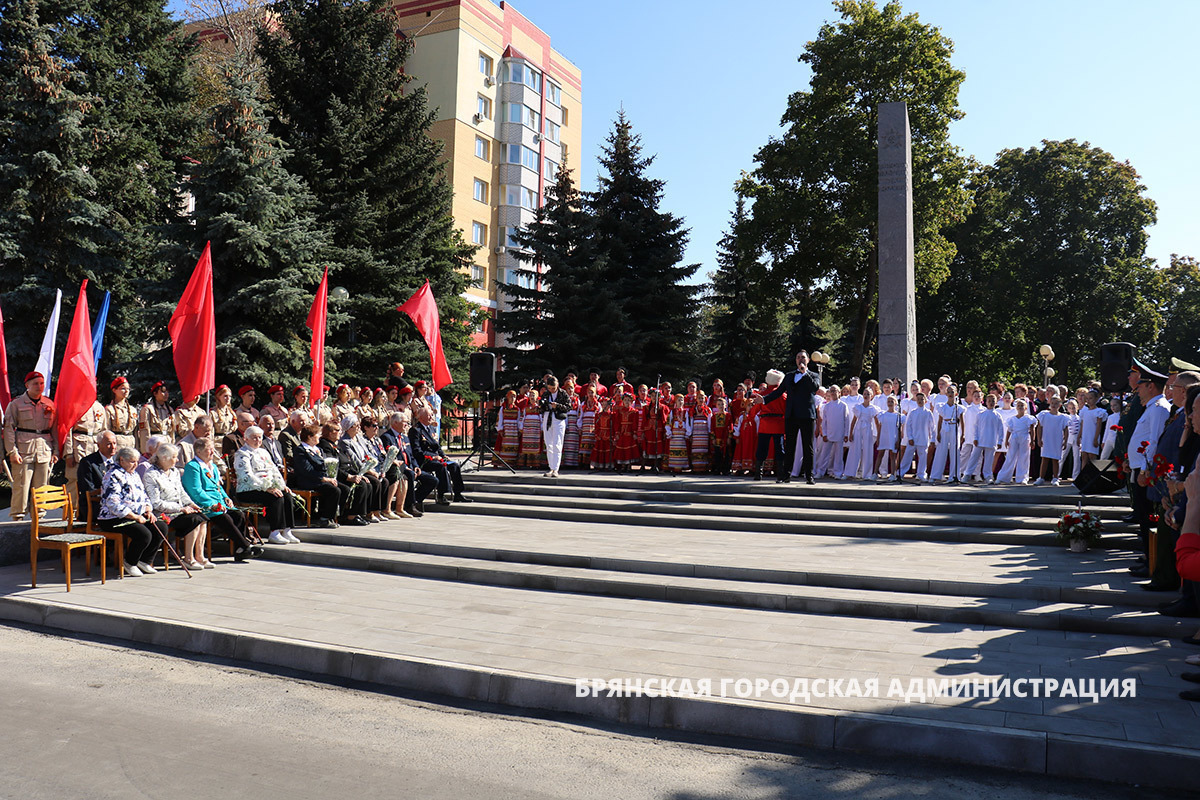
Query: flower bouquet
(331, 467)
(1080, 528)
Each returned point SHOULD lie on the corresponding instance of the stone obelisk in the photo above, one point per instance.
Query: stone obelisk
(897, 283)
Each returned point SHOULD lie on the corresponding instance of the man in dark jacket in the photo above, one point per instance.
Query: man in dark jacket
(431, 458)
(92, 468)
(799, 415)
(420, 482)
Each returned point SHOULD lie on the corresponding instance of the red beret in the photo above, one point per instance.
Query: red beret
(33, 375)
(244, 389)
(420, 383)
(221, 388)
(115, 381)
(406, 390)
(274, 389)
(298, 390)
(158, 385)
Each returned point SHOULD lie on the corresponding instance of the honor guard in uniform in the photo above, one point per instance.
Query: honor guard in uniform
(29, 441)
(275, 407)
(223, 417)
(184, 418)
(122, 419)
(81, 443)
(154, 418)
(246, 395)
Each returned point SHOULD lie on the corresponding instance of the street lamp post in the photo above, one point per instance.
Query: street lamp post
(820, 359)
(1047, 353)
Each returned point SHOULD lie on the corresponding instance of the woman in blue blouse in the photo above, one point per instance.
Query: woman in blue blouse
(125, 509)
(202, 483)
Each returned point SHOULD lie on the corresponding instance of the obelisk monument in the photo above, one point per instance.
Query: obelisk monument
(897, 283)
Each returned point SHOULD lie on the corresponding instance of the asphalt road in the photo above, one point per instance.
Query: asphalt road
(83, 718)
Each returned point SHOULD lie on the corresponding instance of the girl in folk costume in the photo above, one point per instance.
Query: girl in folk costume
(1018, 435)
(571, 436)
(691, 398)
(863, 429)
(586, 423)
(509, 419)
(745, 440)
(718, 394)
(701, 434)
(679, 432)
(721, 423)
(887, 453)
(524, 399)
(531, 434)
(655, 416)
(625, 420)
(602, 449)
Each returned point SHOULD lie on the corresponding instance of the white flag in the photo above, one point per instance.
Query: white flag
(45, 362)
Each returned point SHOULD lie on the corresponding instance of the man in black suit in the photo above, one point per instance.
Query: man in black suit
(420, 483)
(92, 468)
(431, 458)
(800, 414)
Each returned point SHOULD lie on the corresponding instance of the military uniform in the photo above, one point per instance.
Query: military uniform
(29, 432)
(154, 420)
(80, 443)
(224, 420)
(122, 421)
(275, 410)
(184, 419)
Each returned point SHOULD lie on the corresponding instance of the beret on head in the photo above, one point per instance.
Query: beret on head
(117, 381)
(274, 389)
(34, 376)
(244, 389)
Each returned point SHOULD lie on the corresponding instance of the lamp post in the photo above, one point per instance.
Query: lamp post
(1047, 353)
(820, 359)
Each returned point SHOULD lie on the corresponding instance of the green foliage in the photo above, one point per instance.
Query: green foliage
(1053, 252)
(815, 188)
(1180, 332)
(53, 227)
(570, 318)
(643, 248)
(358, 132)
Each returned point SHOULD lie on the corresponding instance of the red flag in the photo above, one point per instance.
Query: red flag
(194, 332)
(424, 312)
(316, 321)
(5, 393)
(76, 389)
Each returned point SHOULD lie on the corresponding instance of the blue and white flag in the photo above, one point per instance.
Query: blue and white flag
(45, 362)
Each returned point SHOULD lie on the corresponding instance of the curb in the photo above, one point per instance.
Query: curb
(1007, 748)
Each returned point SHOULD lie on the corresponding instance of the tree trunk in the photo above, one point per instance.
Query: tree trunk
(865, 304)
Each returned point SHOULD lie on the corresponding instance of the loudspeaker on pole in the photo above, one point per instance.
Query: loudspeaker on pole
(483, 372)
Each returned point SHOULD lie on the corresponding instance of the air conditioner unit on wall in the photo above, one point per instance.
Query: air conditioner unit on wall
(488, 80)
(501, 250)
(477, 118)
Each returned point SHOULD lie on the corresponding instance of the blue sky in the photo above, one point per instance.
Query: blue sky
(705, 84)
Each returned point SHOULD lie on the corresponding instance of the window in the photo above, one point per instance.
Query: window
(517, 72)
(485, 64)
(522, 115)
(507, 237)
(565, 115)
(521, 196)
(481, 190)
(478, 273)
(519, 154)
(551, 170)
(552, 131)
(484, 107)
(521, 277)
(478, 233)
(554, 93)
(483, 148)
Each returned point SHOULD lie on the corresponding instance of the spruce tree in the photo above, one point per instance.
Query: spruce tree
(643, 248)
(359, 134)
(568, 317)
(267, 246)
(52, 224)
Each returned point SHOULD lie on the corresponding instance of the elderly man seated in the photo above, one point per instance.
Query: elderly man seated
(431, 458)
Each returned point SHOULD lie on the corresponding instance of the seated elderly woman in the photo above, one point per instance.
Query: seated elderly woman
(168, 499)
(352, 451)
(202, 482)
(308, 474)
(125, 509)
(391, 480)
(260, 482)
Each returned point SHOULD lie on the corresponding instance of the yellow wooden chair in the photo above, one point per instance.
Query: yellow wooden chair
(42, 536)
(307, 496)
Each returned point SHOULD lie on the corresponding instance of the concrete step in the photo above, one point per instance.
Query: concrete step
(853, 602)
(901, 507)
(1098, 577)
(918, 514)
(1066, 495)
(512, 507)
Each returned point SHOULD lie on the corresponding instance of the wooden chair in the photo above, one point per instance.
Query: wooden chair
(49, 498)
(308, 496)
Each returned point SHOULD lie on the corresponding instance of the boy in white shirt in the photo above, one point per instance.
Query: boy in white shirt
(989, 433)
(918, 433)
(833, 435)
(949, 436)
(1052, 438)
(967, 463)
(1019, 434)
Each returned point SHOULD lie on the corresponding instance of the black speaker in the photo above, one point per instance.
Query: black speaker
(483, 372)
(1115, 360)
(1098, 477)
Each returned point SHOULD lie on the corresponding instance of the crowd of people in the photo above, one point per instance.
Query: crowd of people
(874, 431)
(357, 456)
